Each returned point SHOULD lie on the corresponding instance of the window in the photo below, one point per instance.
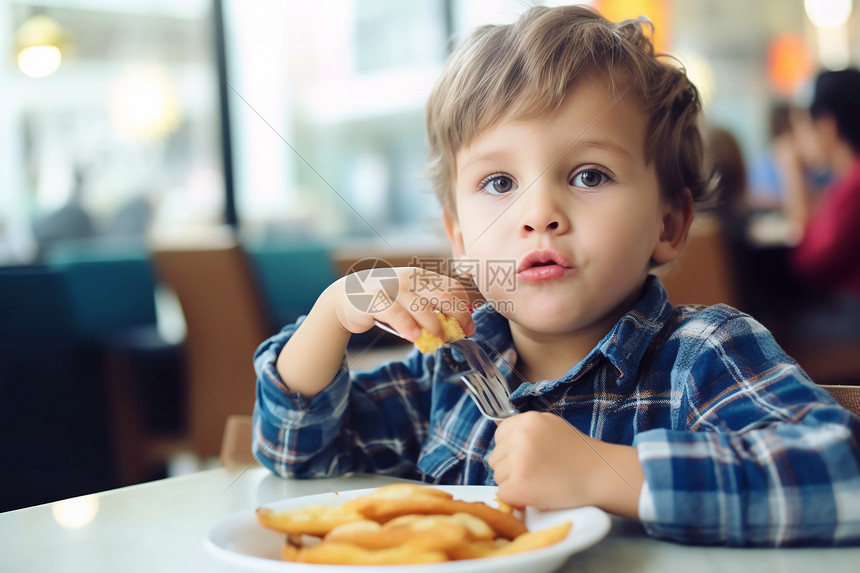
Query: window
(327, 107)
(124, 133)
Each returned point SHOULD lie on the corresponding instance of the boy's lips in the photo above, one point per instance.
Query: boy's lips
(543, 265)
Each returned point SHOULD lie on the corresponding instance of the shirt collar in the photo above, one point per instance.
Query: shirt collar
(626, 343)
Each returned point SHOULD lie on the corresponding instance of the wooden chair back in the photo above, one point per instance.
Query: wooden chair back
(848, 396)
(703, 272)
(226, 321)
(236, 447)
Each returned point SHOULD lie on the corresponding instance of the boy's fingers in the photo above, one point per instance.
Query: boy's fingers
(402, 321)
(495, 458)
(459, 307)
(505, 427)
(426, 313)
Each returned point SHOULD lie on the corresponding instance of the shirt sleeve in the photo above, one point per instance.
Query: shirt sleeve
(766, 458)
(364, 422)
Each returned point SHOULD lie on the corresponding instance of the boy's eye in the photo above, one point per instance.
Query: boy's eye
(498, 184)
(589, 178)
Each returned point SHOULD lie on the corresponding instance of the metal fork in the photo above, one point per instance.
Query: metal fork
(484, 381)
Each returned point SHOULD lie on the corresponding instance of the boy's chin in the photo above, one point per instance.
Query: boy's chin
(545, 323)
(560, 320)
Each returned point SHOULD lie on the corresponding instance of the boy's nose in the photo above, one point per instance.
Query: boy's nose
(551, 226)
(542, 212)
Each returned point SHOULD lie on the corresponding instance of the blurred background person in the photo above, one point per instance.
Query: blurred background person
(733, 208)
(828, 226)
(821, 274)
(69, 221)
(134, 216)
(727, 162)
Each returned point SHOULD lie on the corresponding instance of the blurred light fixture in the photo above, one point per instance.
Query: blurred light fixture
(658, 12)
(144, 104)
(828, 13)
(789, 63)
(834, 50)
(39, 44)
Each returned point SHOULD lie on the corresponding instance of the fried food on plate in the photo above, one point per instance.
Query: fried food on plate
(427, 532)
(504, 524)
(345, 554)
(317, 520)
(402, 490)
(404, 524)
(532, 540)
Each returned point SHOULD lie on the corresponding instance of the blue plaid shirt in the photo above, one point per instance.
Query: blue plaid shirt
(738, 446)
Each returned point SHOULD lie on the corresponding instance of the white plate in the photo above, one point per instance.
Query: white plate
(241, 540)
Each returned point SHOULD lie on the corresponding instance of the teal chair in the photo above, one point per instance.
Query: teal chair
(54, 438)
(110, 286)
(34, 305)
(291, 277)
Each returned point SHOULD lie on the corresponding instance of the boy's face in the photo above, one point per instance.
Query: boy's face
(570, 203)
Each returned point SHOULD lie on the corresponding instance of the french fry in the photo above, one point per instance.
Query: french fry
(315, 520)
(476, 528)
(404, 490)
(532, 540)
(427, 532)
(382, 510)
(346, 554)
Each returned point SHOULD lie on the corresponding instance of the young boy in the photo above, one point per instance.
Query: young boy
(562, 146)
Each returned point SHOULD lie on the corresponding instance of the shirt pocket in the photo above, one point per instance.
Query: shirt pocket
(440, 461)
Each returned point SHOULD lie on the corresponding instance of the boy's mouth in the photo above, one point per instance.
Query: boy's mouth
(543, 265)
(543, 258)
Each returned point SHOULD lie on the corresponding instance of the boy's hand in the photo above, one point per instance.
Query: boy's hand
(407, 306)
(311, 358)
(542, 461)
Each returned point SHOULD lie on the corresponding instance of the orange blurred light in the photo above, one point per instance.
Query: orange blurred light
(788, 63)
(655, 10)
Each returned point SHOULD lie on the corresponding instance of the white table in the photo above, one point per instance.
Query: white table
(159, 526)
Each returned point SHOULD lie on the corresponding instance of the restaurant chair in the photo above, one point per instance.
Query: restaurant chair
(703, 273)
(54, 437)
(237, 444)
(111, 286)
(110, 290)
(291, 276)
(226, 321)
(848, 396)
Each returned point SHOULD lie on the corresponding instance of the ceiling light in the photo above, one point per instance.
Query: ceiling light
(828, 13)
(39, 45)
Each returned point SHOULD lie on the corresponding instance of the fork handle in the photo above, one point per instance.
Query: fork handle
(387, 328)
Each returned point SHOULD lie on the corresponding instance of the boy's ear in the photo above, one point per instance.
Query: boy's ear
(673, 235)
(455, 235)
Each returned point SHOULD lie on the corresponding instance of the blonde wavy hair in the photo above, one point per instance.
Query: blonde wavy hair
(524, 70)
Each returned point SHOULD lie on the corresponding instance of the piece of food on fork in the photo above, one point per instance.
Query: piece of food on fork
(427, 342)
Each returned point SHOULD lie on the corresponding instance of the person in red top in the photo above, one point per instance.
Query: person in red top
(828, 252)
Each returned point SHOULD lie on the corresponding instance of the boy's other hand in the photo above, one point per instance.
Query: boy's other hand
(406, 304)
(542, 461)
